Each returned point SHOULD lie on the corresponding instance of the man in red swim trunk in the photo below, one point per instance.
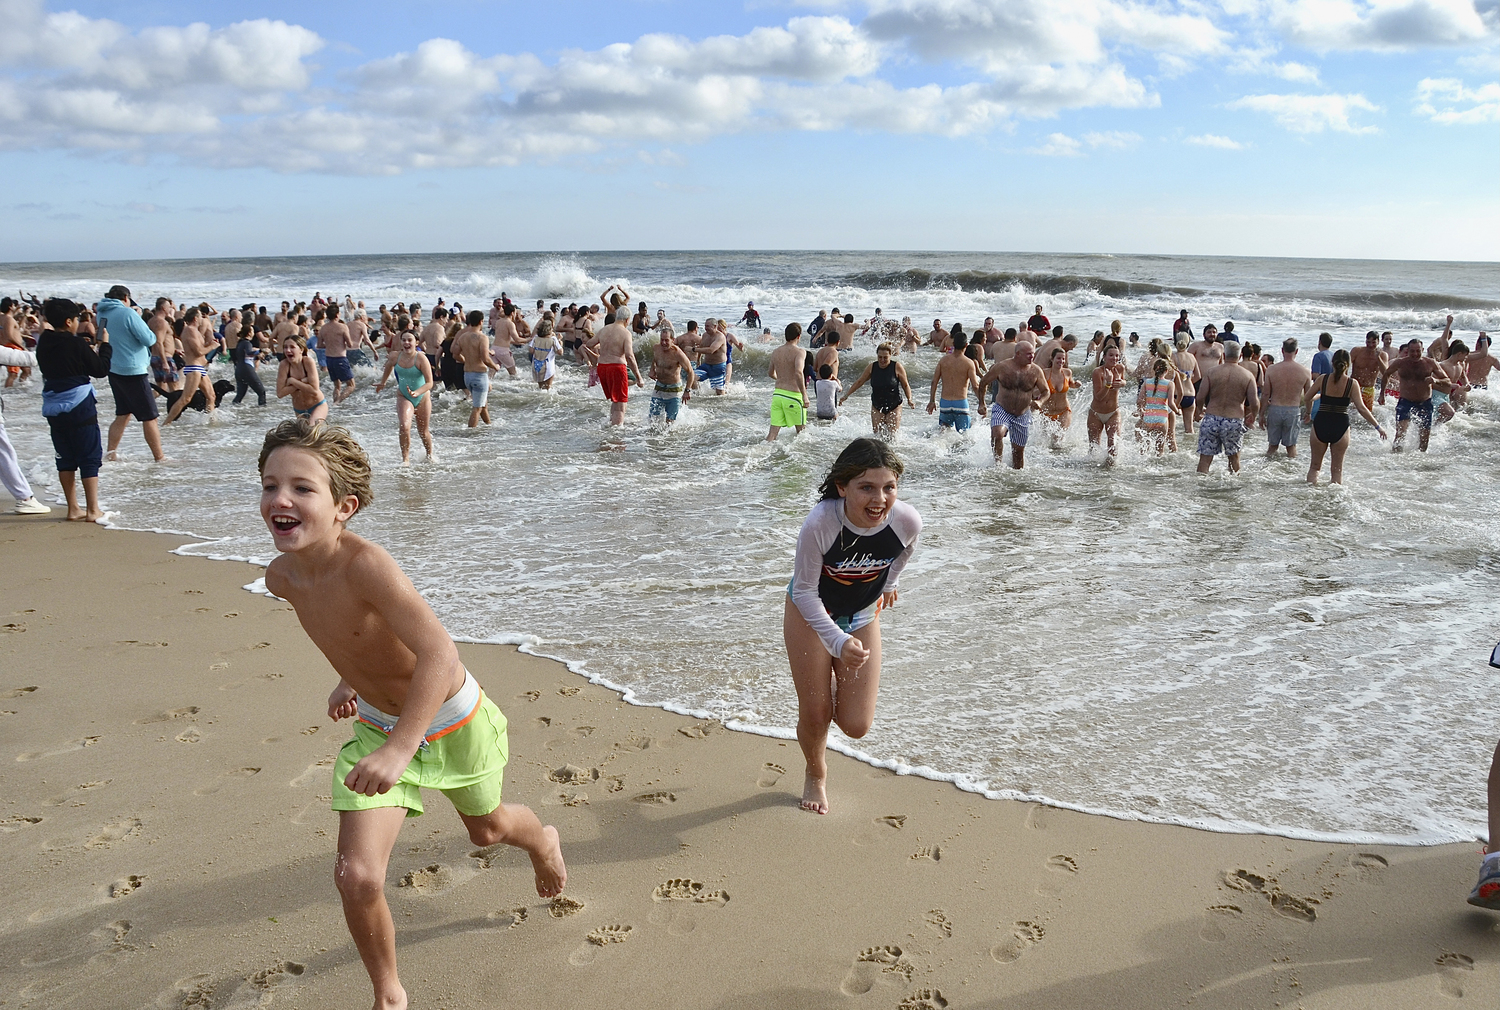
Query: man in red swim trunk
(616, 352)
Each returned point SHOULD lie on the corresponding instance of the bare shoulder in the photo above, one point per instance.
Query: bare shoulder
(277, 582)
(369, 565)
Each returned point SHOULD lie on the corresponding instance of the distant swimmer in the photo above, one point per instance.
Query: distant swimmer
(751, 318)
(888, 383)
(297, 377)
(1210, 354)
(617, 300)
(413, 389)
(1454, 368)
(1330, 426)
(938, 336)
(544, 349)
(1181, 325)
(640, 323)
(850, 554)
(789, 398)
(616, 350)
(673, 373)
(1286, 384)
(1417, 373)
(1104, 420)
(471, 348)
(1038, 323)
(910, 338)
(1226, 405)
(955, 375)
(336, 340)
(1020, 385)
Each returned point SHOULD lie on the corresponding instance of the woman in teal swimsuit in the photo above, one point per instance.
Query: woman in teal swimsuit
(413, 387)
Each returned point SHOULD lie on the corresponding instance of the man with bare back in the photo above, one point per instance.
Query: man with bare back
(616, 350)
(1287, 382)
(1226, 406)
(335, 339)
(195, 348)
(788, 370)
(955, 373)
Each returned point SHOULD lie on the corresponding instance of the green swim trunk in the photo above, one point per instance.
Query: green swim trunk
(467, 765)
(787, 409)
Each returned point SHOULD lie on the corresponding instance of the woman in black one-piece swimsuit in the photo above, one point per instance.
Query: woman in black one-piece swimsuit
(887, 379)
(1330, 428)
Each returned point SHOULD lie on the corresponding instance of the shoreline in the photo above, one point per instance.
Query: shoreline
(170, 844)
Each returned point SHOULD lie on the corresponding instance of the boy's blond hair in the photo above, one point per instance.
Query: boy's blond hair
(347, 465)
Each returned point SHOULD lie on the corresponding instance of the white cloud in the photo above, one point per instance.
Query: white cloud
(1258, 61)
(1310, 113)
(1446, 100)
(1379, 24)
(1113, 139)
(1214, 140)
(1059, 145)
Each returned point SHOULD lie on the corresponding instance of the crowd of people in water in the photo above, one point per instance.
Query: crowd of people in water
(1206, 382)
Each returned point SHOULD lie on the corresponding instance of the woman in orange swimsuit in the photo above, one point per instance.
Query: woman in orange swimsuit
(1059, 381)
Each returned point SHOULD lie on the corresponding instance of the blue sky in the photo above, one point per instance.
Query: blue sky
(1360, 128)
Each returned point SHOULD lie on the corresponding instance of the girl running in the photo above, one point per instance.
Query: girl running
(850, 553)
(1157, 403)
(413, 384)
(298, 378)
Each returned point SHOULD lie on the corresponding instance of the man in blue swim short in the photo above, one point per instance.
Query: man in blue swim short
(673, 373)
(713, 357)
(955, 373)
(335, 340)
(472, 348)
(1417, 372)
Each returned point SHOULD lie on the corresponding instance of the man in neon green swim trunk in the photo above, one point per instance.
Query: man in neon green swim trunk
(421, 719)
(789, 398)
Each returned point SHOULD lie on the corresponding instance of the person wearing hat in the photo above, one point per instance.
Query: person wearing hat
(751, 317)
(132, 341)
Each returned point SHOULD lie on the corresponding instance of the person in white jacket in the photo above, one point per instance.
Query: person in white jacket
(10, 468)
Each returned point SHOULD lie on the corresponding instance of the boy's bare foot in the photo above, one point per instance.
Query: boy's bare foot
(814, 796)
(551, 873)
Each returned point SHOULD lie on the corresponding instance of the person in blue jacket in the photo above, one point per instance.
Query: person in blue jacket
(129, 380)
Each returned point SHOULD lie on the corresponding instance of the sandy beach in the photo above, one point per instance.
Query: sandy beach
(167, 842)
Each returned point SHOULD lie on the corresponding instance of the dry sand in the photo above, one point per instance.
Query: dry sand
(167, 842)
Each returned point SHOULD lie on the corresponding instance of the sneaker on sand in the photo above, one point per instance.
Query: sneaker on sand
(32, 507)
(1486, 893)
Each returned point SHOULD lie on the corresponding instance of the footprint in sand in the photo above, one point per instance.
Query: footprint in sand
(542, 722)
(225, 779)
(126, 885)
(572, 775)
(531, 695)
(1214, 921)
(569, 692)
(18, 692)
(770, 774)
(279, 974)
(896, 821)
(659, 798)
(508, 918)
(1293, 907)
(16, 822)
(676, 899)
(635, 743)
(1367, 867)
(70, 797)
(1023, 936)
(562, 906)
(597, 940)
(875, 965)
(196, 992)
(13, 628)
(924, 999)
(63, 748)
(190, 735)
(1451, 978)
(435, 879)
(1063, 864)
(114, 932)
(698, 731)
(116, 832)
(613, 783)
(1037, 817)
(934, 853)
(310, 731)
(315, 772)
(937, 920)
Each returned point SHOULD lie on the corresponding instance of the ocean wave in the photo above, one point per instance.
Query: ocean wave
(916, 279)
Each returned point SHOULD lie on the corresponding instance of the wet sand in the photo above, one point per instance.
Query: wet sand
(167, 842)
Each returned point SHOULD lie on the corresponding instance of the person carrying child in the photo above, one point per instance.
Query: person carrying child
(420, 719)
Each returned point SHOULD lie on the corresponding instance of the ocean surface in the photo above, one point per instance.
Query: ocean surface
(1235, 653)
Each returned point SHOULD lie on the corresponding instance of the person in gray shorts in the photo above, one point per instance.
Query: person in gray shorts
(1286, 383)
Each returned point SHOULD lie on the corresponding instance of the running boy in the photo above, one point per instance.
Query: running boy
(420, 718)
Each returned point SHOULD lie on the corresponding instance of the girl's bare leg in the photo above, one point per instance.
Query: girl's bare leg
(424, 424)
(403, 426)
(1316, 463)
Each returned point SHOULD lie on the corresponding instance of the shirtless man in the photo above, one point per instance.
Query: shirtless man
(616, 352)
(335, 339)
(195, 348)
(1365, 365)
(1067, 343)
(789, 398)
(507, 339)
(1210, 353)
(910, 338)
(1005, 349)
(1287, 382)
(359, 336)
(844, 328)
(955, 373)
(1104, 412)
(430, 340)
(164, 354)
(1225, 407)
(673, 373)
(828, 355)
(1481, 362)
(1417, 373)
(1438, 349)
(1020, 385)
(690, 339)
(472, 349)
(10, 336)
(938, 337)
(712, 353)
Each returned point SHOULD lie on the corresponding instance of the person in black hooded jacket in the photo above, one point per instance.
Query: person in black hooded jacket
(67, 362)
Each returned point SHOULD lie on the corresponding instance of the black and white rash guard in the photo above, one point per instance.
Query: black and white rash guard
(842, 569)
